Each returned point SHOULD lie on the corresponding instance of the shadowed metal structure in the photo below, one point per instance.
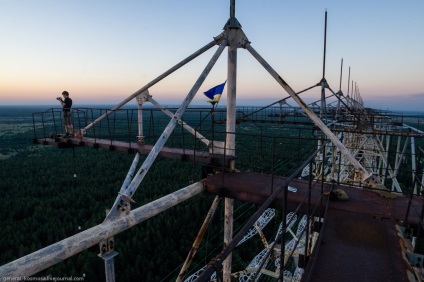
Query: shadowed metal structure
(343, 149)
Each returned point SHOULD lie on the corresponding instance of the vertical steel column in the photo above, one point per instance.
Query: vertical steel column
(340, 166)
(386, 163)
(386, 157)
(422, 176)
(341, 76)
(333, 161)
(323, 81)
(109, 266)
(322, 187)
(399, 161)
(397, 158)
(389, 143)
(284, 227)
(380, 160)
(140, 99)
(228, 236)
(230, 129)
(420, 229)
(414, 183)
(306, 253)
(231, 97)
(413, 164)
(348, 84)
(340, 90)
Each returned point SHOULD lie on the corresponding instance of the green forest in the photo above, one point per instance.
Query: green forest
(48, 193)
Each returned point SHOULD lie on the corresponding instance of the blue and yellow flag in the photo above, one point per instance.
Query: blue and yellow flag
(215, 93)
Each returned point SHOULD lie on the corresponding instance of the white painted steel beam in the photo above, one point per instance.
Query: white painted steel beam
(180, 122)
(141, 173)
(156, 80)
(400, 158)
(413, 164)
(387, 165)
(234, 37)
(318, 122)
(228, 236)
(113, 213)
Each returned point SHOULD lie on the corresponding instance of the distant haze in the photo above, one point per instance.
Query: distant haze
(103, 51)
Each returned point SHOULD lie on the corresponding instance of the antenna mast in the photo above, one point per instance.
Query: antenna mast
(348, 84)
(325, 44)
(323, 81)
(341, 75)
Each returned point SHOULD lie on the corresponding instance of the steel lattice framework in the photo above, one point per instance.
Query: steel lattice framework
(353, 147)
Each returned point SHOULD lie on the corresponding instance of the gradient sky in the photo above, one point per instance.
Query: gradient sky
(102, 51)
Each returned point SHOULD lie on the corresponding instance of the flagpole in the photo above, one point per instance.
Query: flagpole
(213, 126)
(215, 95)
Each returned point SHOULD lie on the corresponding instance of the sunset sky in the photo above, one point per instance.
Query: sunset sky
(103, 51)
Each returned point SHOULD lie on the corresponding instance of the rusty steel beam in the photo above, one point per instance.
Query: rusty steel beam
(55, 253)
(195, 246)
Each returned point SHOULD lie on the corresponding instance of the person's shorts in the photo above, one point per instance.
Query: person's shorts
(67, 118)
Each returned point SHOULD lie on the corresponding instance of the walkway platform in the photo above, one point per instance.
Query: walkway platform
(357, 247)
(132, 147)
(358, 241)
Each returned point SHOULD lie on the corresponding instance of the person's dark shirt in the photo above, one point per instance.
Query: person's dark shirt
(68, 104)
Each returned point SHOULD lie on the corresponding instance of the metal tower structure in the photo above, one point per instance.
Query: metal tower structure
(352, 148)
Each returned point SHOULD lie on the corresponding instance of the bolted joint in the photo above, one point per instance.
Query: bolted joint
(124, 206)
(140, 139)
(244, 42)
(107, 246)
(223, 35)
(237, 39)
(217, 265)
(143, 97)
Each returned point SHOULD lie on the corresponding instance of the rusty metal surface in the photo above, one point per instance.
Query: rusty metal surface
(357, 247)
(256, 188)
(359, 240)
(121, 146)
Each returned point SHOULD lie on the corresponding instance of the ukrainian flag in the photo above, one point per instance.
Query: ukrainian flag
(215, 93)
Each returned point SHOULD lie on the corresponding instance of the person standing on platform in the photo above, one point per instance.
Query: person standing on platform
(66, 103)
